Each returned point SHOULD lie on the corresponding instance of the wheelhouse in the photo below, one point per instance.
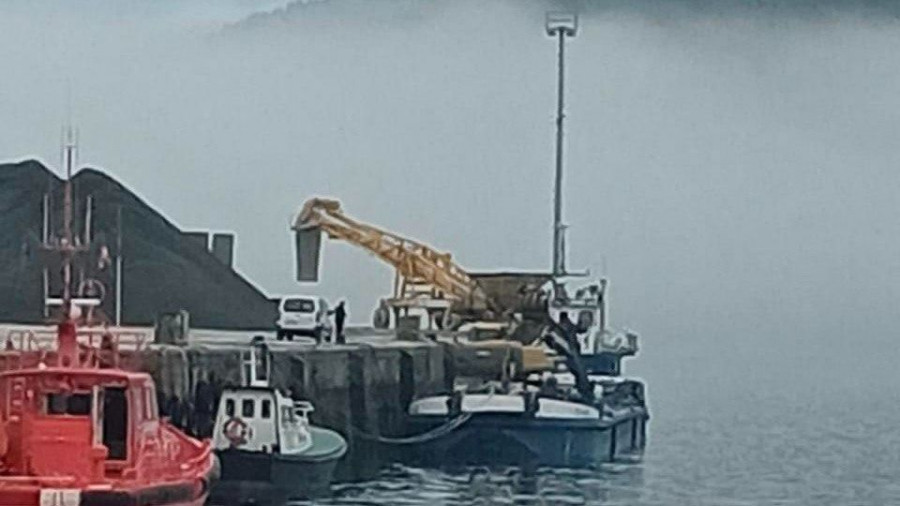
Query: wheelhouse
(84, 423)
(261, 419)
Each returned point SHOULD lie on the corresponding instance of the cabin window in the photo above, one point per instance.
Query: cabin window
(247, 408)
(229, 407)
(115, 423)
(287, 414)
(266, 409)
(69, 404)
(585, 319)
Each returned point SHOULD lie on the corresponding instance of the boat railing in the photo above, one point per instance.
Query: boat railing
(48, 481)
(303, 409)
(45, 339)
(22, 340)
(100, 346)
(202, 450)
(188, 464)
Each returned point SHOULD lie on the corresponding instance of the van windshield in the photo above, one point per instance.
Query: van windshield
(299, 306)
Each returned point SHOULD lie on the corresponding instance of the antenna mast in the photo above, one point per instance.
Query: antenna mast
(67, 246)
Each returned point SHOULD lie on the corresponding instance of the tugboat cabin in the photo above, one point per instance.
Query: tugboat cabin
(91, 429)
(268, 451)
(53, 415)
(260, 419)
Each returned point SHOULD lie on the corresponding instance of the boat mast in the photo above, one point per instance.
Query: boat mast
(67, 344)
(67, 248)
(119, 266)
(560, 25)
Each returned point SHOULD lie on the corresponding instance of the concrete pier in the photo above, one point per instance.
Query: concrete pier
(360, 389)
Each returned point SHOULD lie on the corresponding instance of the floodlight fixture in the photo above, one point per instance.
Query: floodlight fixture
(562, 23)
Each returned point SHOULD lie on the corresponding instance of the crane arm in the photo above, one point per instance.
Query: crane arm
(416, 262)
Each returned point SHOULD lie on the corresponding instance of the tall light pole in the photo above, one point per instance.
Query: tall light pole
(560, 25)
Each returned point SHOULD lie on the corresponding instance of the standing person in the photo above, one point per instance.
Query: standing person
(215, 388)
(203, 407)
(173, 410)
(340, 314)
(570, 331)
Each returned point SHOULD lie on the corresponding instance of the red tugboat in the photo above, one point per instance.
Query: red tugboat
(78, 430)
(75, 435)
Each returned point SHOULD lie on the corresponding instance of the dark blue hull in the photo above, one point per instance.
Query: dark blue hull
(261, 478)
(508, 439)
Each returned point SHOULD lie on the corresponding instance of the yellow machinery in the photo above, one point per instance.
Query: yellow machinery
(424, 277)
(498, 356)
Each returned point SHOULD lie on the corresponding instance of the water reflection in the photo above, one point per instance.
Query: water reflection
(480, 486)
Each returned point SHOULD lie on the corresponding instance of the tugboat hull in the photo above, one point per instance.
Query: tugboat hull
(174, 495)
(268, 478)
(491, 438)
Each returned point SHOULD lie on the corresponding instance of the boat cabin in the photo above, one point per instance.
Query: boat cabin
(261, 419)
(257, 417)
(86, 424)
(601, 347)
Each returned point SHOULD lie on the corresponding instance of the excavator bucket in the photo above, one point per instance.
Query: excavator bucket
(313, 209)
(308, 243)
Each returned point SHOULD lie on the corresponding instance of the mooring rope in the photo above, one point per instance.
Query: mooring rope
(424, 437)
(431, 435)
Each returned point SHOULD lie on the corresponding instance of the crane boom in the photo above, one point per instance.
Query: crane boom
(420, 269)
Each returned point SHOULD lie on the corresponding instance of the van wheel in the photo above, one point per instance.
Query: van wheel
(290, 336)
(279, 335)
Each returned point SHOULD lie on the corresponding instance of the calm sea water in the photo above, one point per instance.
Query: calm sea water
(733, 427)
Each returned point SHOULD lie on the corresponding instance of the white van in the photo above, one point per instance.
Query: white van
(303, 315)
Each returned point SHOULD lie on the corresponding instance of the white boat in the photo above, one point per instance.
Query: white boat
(530, 426)
(579, 414)
(268, 449)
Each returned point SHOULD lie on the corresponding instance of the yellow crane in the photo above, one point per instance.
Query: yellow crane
(424, 277)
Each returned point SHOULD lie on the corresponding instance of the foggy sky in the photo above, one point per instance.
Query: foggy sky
(731, 164)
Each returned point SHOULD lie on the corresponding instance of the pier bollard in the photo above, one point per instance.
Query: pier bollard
(454, 403)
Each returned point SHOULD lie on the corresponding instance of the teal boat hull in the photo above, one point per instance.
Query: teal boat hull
(273, 478)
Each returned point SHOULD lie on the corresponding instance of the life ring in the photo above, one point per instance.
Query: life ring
(237, 432)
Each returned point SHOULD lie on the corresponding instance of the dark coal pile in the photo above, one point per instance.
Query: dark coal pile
(163, 270)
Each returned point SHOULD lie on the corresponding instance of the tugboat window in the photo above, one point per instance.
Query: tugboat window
(247, 408)
(115, 423)
(79, 404)
(56, 404)
(69, 404)
(585, 319)
(229, 407)
(266, 409)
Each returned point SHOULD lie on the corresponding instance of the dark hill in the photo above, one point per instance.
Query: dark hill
(163, 269)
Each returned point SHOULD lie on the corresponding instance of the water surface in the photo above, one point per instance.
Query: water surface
(729, 427)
